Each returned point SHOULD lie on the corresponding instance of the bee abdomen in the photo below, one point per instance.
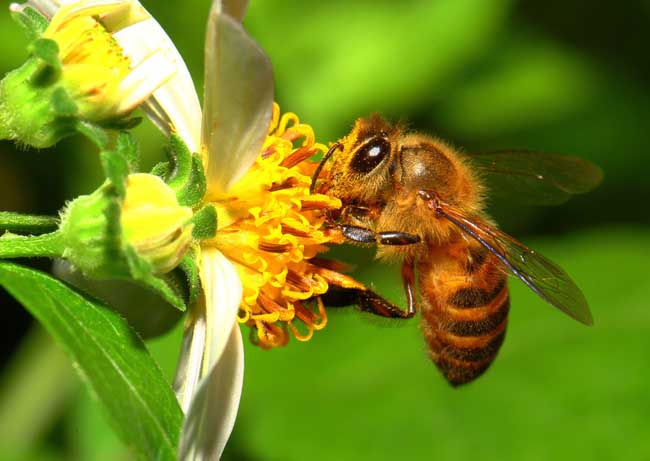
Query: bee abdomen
(466, 330)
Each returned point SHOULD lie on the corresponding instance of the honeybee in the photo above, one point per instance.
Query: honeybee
(423, 203)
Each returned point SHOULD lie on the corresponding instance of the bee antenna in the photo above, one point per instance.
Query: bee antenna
(320, 166)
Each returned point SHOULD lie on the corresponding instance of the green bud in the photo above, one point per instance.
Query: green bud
(102, 231)
(33, 109)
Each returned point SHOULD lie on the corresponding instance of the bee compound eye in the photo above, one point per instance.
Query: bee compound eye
(370, 154)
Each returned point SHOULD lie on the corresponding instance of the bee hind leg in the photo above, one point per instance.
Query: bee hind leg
(366, 300)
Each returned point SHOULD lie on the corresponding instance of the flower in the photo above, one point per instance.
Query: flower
(261, 267)
(107, 58)
(98, 236)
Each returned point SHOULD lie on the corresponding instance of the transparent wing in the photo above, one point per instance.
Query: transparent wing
(534, 178)
(542, 276)
(238, 99)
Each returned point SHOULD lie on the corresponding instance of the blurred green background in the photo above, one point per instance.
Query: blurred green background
(562, 76)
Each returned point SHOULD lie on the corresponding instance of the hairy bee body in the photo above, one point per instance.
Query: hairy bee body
(422, 203)
(464, 303)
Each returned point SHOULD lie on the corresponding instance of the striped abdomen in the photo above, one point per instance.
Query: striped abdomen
(464, 309)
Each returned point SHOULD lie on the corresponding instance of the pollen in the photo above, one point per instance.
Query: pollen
(273, 230)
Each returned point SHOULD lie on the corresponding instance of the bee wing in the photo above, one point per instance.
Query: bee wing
(238, 99)
(535, 178)
(542, 276)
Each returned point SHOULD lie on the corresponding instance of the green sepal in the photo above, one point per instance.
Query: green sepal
(46, 50)
(31, 21)
(62, 104)
(169, 289)
(180, 159)
(161, 169)
(184, 173)
(190, 268)
(46, 53)
(194, 191)
(205, 223)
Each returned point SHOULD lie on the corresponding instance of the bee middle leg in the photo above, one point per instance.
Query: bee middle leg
(364, 235)
(356, 217)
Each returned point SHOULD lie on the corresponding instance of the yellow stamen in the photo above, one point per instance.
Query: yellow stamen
(272, 229)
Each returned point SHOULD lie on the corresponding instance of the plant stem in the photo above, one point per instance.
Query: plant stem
(18, 246)
(16, 222)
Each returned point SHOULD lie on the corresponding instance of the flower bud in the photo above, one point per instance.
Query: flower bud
(102, 232)
(78, 71)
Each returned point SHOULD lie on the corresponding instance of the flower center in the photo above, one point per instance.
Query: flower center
(272, 228)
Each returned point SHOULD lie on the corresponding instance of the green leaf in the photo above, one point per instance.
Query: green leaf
(110, 357)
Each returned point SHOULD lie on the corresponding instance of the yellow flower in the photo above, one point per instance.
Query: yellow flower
(262, 266)
(98, 76)
(114, 57)
(270, 227)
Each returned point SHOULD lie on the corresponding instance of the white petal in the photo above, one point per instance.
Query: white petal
(152, 73)
(190, 361)
(211, 417)
(50, 7)
(175, 105)
(238, 101)
(209, 324)
(233, 8)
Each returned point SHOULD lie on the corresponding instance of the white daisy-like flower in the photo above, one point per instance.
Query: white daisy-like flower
(145, 71)
(261, 267)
